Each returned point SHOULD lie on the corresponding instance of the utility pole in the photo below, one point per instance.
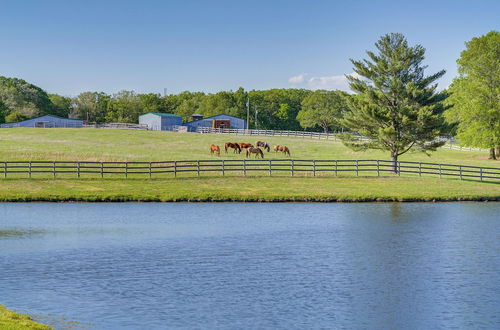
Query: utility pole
(248, 112)
(256, 112)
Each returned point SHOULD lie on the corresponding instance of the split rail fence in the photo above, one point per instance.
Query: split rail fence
(66, 169)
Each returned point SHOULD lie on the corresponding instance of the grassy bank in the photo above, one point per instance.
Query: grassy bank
(228, 188)
(10, 320)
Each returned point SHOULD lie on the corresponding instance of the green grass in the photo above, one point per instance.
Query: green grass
(248, 189)
(129, 145)
(10, 320)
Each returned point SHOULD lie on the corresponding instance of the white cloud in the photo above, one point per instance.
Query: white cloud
(297, 79)
(327, 82)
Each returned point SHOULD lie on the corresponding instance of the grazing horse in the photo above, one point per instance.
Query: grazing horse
(245, 145)
(264, 145)
(235, 146)
(256, 151)
(283, 149)
(215, 149)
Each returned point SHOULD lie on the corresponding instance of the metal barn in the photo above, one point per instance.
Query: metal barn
(218, 121)
(46, 121)
(160, 121)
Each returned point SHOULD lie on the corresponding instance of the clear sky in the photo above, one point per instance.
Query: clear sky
(68, 47)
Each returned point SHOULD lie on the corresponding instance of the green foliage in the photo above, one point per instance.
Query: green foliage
(396, 106)
(23, 97)
(91, 106)
(61, 105)
(475, 94)
(15, 117)
(324, 109)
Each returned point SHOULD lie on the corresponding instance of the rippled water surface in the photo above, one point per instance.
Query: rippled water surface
(258, 266)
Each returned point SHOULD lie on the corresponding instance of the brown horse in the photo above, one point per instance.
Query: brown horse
(283, 149)
(235, 146)
(264, 145)
(256, 151)
(215, 149)
(245, 145)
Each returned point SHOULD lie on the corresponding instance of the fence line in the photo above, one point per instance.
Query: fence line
(243, 167)
(267, 132)
(116, 126)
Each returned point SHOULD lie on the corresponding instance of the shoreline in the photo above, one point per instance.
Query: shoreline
(13, 320)
(249, 190)
(249, 200)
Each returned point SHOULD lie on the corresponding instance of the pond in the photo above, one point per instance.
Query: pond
(247, 266)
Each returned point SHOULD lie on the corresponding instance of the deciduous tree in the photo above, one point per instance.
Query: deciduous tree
(475, 94)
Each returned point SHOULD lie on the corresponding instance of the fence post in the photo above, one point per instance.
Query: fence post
(314, 167)
(440, 171)
(54, 169)
(150, 170)
(336, 174)
(292, 168)
(244, 167)
(378, 167)
(78, 169)
(357, 169)
(102, 170)
(126, 170)
(30, 170)
(4, 169)
(420, 169)
(460, 169)
(198, 167)
(270, 168)
(481, 173)
(399, 168)
(223, 167)
(175, 168)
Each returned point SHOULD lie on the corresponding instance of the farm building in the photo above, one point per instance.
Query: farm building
(160, 121)
(46, 121)
(218, 121)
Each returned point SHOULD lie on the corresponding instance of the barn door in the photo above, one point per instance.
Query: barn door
(221, 123)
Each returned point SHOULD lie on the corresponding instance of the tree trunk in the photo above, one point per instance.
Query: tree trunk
(498, 151)
(394, 159)
(492, 154)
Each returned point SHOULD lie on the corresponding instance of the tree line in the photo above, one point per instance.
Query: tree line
(269, 109)
(394, 102)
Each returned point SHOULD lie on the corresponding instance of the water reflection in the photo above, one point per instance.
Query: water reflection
(288, 266)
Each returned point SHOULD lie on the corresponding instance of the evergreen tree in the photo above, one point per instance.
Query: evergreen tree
(396, 105)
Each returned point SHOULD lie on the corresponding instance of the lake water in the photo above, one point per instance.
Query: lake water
(254, 266)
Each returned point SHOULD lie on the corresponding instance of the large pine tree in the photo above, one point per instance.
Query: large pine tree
(396, 105)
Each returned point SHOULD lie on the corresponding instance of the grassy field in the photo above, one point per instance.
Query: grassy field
(10, 320)
(128, 145)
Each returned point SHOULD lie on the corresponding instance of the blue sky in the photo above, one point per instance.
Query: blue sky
(68, 47)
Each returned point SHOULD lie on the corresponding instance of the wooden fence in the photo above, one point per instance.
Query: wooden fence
(22, 169)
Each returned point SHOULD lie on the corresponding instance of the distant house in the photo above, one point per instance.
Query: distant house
(160, 121)
(218, 121)
(46, 121)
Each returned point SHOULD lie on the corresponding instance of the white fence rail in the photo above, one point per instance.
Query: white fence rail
(117, 126)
